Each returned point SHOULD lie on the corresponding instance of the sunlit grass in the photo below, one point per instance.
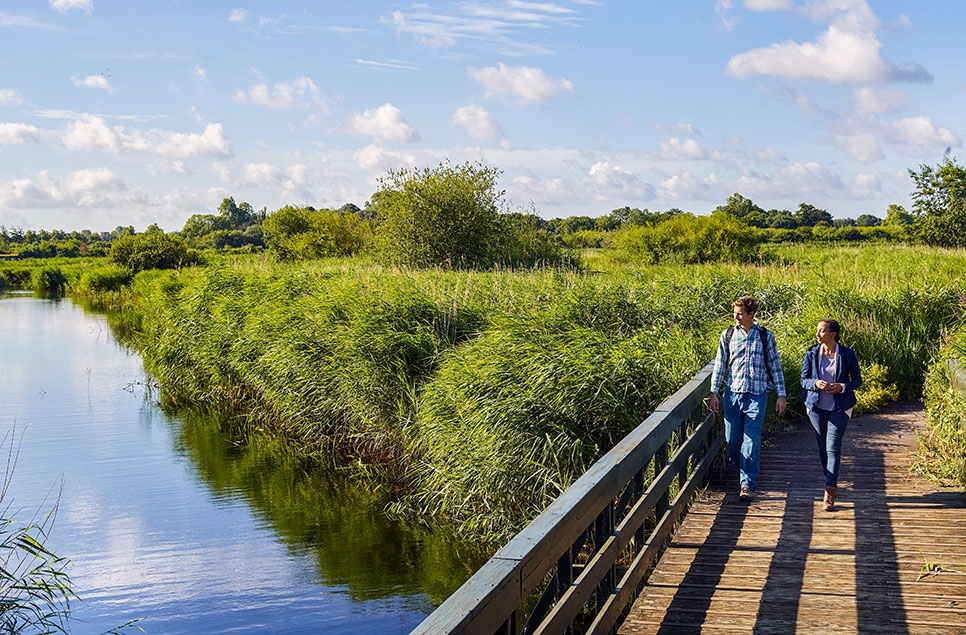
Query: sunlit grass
(482, 395)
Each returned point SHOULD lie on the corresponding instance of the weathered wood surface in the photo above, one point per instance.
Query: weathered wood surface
(783, 565)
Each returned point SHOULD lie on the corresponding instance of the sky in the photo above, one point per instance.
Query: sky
(117, 113)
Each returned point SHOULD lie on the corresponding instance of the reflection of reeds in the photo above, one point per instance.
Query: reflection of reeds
(484, 394)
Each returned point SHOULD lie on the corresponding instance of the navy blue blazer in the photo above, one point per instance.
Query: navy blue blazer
(846, 373)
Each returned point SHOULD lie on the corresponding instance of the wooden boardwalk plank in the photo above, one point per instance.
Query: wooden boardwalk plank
(783, 565)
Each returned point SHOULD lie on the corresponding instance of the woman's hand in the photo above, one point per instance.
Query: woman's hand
(821, 384)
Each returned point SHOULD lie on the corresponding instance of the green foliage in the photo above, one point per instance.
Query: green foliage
(48, 279)
(35, 589)
(104, 279)
(942, 453)
(689, 239)
(444, 216)
(303, 233)
(151, 250)
(461, 385)
(939, 204)
(518, 413)
(876, 390)
(523, 242)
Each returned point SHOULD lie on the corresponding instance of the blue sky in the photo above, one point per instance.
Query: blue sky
(130, 113)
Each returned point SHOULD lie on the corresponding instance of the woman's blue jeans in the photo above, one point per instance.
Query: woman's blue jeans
(744, 415)
(829, 426)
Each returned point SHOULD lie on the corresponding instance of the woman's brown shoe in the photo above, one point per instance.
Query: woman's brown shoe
(829, 502)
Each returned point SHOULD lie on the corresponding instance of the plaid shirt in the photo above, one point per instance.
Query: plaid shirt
(746, 368)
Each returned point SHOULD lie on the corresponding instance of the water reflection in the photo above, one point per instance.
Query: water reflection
(337, 521)
(167, 518)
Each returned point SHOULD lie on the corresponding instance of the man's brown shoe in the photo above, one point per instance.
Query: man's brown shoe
(747, 494)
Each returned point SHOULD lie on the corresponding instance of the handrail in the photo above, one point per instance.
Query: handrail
(590, 550)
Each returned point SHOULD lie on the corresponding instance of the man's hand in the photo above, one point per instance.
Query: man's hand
(714, 403)
(780, 405)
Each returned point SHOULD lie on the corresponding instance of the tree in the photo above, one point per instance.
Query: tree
(810, 216)
(897, 216)
(737, 206)
(304, 233)
(442, 216)
(868, 220)
(150, 250)
(939, 204)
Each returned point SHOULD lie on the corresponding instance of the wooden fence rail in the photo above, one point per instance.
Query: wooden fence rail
(578, 565)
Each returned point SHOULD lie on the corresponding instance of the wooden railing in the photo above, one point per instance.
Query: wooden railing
(578, 565)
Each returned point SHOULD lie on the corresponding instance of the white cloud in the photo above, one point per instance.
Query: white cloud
(91, 187)
(381, 159)
(477, 122)
(863, 146)
(525, 83)
(677, 149)
(846, 53)
(238, 15)
(768, 5)
(869, 101)
(301, 93)
(63, 6)
(800, 180)
(721, 8)
(917, 136)
(10, 97)
(294, 177)
(18, 133)
(511, 27)
(200, 73)
(384, 123)
(865, 139)
(93, 133)
(92, 81)
(553, 190)
(866, 185)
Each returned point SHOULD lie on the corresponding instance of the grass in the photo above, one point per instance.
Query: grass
(480, 396)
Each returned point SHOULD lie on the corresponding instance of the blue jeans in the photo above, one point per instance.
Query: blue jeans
(744, 415)
(829, 426)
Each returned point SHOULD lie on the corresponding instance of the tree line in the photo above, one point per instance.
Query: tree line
(456, 216)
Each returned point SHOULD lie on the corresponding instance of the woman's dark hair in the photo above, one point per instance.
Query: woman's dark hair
(833, 326)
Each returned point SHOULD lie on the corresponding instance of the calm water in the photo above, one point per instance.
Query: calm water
(169, 520)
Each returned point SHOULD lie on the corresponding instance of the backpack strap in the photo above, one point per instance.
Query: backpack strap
(762, 336)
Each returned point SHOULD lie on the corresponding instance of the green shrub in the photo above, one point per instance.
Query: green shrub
(48, 280)
(111, 278)
(151, 250)
(305, 234)
(689, 239)
(876, 390)
(444, 216)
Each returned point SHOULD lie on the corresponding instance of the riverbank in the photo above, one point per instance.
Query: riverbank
(479, 396)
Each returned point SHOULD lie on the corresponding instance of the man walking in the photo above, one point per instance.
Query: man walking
(747, 363)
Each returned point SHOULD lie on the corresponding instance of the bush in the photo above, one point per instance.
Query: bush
(105, 279)
(445, 216)
(151, 250)
(689, 239)
(48, 280)
(876, 390)
(303, 233)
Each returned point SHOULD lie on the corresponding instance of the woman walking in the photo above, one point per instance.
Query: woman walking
(830, 375)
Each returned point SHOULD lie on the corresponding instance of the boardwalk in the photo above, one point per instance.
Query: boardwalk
(891, 559)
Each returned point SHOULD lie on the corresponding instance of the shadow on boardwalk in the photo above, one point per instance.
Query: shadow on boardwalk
(783, 565)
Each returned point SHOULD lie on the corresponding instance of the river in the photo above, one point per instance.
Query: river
(167, 519)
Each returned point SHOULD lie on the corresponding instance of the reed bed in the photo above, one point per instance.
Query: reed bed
(480, 396)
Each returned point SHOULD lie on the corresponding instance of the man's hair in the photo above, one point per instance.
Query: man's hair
(747, 303)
